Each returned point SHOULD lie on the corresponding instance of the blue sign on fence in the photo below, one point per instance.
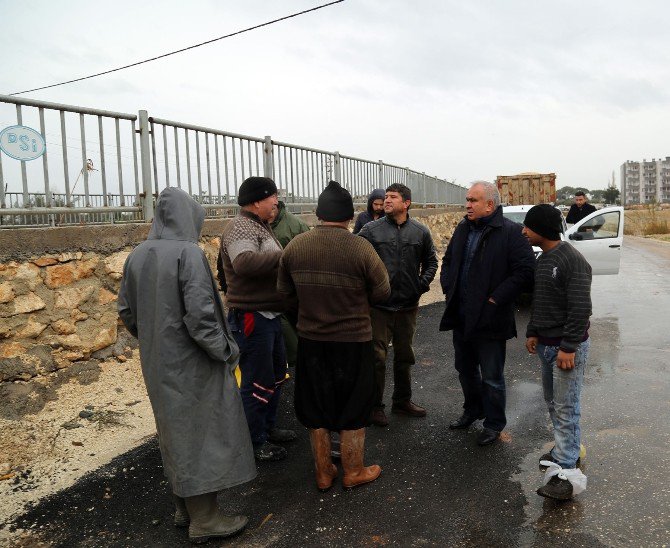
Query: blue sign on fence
(22, 143)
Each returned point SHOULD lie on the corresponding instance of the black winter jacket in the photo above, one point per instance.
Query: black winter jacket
(503, 266)
(408, 253)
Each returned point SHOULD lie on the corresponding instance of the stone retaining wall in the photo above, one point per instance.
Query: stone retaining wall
(58, 291)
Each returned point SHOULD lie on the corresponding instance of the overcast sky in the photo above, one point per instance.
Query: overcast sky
(459, 89)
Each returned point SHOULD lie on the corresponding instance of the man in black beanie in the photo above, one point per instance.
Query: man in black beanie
(335, 276)
(250, 255)
(558, 333)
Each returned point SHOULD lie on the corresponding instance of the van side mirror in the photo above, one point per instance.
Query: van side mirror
(576, 236)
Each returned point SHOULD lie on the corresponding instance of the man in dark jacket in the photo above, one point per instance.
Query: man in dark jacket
(579, 209)
(406, 248)
(375, 209)
(487, 264)
(168, 300)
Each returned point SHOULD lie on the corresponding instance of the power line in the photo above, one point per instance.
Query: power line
(183, 49)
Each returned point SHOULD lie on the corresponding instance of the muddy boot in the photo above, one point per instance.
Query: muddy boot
(181, 518)
(208, 521)
(326, 471)
(352, 445)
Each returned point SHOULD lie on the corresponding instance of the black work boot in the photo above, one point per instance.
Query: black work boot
(557, 489)
(281, 435)
(270, 452)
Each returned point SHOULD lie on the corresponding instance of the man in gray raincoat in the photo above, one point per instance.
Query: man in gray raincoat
(169, 301)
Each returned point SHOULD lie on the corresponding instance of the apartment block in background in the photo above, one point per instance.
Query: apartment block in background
(645, 182)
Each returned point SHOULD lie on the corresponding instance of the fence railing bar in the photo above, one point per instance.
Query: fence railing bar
(119, 166)
(209, 170)
(225, 168)
(65, 108)
(24, 173)
(216, 159)
(45, 164)
(176, 155)
(165, 157)
(258, 171)
(241, 143)
(232, 147)
(84, 158)
(204, 129)
(152, 130)
(2, 188)
(298, 147)
(251, 171)
(103, 171)
(290, 153)
(133, 134)
(197, 162)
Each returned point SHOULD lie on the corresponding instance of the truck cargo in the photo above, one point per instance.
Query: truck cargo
(527, 188)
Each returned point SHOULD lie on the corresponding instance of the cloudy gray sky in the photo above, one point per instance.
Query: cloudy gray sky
(462, 90)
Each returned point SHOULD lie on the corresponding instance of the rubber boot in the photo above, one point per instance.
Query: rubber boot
(208, 521)
(352, 446)
(181, 518)
(326, 471)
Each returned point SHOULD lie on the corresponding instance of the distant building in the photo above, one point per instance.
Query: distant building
(645, 181)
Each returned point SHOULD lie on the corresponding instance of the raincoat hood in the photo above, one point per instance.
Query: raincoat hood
(178, 217)
(376, 194)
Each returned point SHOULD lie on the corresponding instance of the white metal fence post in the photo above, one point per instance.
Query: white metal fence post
(145, 158)
(380, 175)
(268, 158)
(423, 188)
(337, 168)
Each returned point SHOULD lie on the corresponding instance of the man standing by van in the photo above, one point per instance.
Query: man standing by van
(580, 209)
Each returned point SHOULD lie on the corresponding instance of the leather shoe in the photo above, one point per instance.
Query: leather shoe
(408, 408)
(281, 435)
(487, 437)
(463, 421)
(378, 417)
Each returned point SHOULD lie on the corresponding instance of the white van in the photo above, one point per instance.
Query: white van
(598, 236)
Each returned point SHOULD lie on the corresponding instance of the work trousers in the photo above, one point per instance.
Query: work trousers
(397, 327)
(263, 368)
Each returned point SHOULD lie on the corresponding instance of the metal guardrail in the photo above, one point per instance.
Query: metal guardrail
(124, 160)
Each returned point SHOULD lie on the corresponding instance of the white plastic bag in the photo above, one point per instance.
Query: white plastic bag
(574, 475)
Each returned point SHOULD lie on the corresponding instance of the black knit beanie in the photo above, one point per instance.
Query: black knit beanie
(255, 189)
(545, 220)
(335, 204)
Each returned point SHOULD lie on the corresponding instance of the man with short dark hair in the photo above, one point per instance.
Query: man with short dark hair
(250, 254)
(374, 211)
(558, 332)
(487, 264)
(406, 248)
(580, 209)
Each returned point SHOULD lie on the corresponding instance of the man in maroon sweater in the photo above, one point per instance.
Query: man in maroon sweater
(335, 276)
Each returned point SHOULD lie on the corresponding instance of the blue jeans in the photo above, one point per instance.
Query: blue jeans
(562, 392)
(480, 366)
(263, 368)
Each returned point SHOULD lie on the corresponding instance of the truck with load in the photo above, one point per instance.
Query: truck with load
(527, 188)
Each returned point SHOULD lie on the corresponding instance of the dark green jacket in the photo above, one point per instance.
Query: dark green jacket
(287, 226)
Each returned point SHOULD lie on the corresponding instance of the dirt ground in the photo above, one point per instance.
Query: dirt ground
(58, 428)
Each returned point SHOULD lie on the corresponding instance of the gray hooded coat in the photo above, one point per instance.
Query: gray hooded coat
(169, 301)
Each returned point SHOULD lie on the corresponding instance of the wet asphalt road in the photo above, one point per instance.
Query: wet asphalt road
(438, 488)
